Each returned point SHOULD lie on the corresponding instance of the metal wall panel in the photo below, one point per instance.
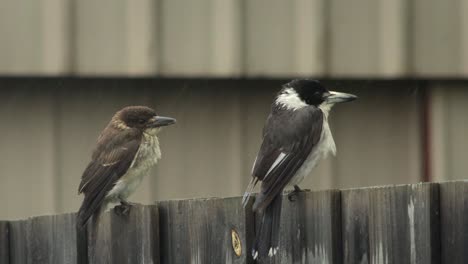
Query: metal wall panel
(115, 37)
(448, 126)
(27, 152)
(284, 38)
(368, 38)
(439, 38)
(34, 37)
(202, 152)
(378, 137)
(235, 38)
(200, 38)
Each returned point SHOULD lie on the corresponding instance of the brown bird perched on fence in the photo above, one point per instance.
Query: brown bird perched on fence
(126, 149)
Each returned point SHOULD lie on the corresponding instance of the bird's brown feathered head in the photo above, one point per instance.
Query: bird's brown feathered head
(140, 117)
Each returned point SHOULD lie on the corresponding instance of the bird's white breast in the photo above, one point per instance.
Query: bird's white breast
(146, 157)
(325, 145)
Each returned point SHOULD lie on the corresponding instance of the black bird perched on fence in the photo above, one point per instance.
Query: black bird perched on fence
(126, 149)
(295, 137)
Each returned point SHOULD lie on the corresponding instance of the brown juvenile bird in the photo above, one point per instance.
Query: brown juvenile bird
(126, 149)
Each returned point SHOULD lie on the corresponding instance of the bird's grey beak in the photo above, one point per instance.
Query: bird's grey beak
(160, 121)
(337, 97)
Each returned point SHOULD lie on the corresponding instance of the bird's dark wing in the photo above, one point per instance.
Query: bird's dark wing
(111, 159)
(288, 139)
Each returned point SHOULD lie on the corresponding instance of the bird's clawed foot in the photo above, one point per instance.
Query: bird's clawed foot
(292, 196)
(123, 209)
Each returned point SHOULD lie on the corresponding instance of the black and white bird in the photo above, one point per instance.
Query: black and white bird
(125, 151)
(295, 137)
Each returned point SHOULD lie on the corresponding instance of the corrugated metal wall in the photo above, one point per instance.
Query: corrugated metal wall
(235, 38)
(50, 125)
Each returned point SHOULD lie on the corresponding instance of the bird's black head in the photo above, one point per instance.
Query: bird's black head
(141, 117)
(311, 92)
(304, 92)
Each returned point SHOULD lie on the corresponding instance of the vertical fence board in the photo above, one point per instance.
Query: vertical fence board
(4, 242)
(44, 239)
(200, 231)
(310, 229)
(133, 238)
(454, 219)
(52, 239)
(355, 226)
(19, 246)
(404, 224)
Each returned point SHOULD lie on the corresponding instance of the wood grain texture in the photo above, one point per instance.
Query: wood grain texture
(403, 222)
(44, 239)
(132, 238)
(310, 230)
(355, 226)
(19, 248)
(454, 219)
(4, 242)
(199, 230)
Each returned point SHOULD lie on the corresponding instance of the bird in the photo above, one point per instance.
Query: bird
(125, 151)
(296, 136)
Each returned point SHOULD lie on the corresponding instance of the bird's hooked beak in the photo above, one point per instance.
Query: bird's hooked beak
(337, 97)
(159, 121)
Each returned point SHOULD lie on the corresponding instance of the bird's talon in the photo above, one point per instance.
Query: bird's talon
(292, 196)
(123, 209)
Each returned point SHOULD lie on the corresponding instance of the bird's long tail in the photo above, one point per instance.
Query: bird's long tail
(83, 216)
(248, 191)
(92, 205)
(267, 233)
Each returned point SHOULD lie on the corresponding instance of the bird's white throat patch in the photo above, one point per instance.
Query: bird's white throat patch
(325, 107)
(289, 99)
(152, 131)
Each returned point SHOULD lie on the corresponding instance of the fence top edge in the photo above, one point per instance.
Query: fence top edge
(197, 199)
(389, 186)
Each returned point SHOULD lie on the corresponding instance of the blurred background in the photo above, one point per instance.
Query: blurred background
(67, 66)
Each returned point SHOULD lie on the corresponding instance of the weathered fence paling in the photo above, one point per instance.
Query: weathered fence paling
(310, 228)
(454, 222)
(202, 231)
(132, 238)
(44, 239)
(4, 242)
(420, 223)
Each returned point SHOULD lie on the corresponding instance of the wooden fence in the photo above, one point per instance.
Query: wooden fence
(422, 223)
